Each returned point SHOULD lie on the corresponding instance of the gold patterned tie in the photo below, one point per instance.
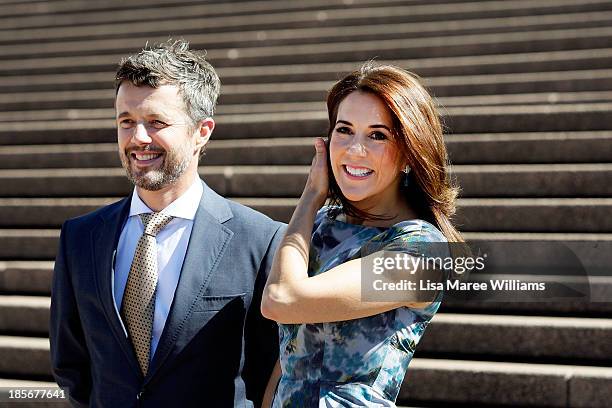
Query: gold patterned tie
(138, 305)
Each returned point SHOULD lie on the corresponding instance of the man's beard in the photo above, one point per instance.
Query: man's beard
(174, 164)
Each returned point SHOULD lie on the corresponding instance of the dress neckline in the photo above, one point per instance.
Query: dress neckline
(402, 223)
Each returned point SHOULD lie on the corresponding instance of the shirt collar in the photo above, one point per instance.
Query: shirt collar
(183, 207)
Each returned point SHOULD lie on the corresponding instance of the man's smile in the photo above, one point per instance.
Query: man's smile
(146, 158)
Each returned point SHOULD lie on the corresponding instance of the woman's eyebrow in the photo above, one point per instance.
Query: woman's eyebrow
(379, 126)
(376, 126)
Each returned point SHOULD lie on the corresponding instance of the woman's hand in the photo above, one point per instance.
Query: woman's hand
(317, 185)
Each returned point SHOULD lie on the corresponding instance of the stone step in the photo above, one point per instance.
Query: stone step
(469, 119)
(473, 214)
(104, 9)
(460, 45)
(538, 98)
(55, 13)
(531, 62)
(484, 383)
(430, 67)
(309, 18)
(14, 8)
(542, 147)
(597, 303)
(29, 245)
(26, 277)
(576, 257)
(240, 39)
(534, 215)
(541, 337)
(500, 86)
(26, 384)
(524, 180)
(534, 337)
(564, 87)
(25, 356)
(25, 314)
(562, 147)
(4, 2)
(91, 17)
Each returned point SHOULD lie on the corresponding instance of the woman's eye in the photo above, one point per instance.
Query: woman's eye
(379, 136)
(343, 129)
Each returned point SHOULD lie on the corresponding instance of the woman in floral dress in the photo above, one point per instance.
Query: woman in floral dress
(385, 171)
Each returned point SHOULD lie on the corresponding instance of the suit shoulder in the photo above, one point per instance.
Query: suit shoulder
(93, 217)
(253, 220)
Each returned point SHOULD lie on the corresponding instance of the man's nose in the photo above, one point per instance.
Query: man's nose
(141, 134)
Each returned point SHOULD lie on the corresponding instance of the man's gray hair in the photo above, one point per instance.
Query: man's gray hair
(173, 63)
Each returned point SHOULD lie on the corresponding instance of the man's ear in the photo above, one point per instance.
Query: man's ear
(205, 129)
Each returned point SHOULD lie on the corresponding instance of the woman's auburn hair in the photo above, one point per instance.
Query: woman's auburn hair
(418, 134)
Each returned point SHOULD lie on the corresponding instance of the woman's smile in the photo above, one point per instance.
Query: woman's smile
(357, 172)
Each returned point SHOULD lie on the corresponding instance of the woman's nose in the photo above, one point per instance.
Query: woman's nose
(357, 148)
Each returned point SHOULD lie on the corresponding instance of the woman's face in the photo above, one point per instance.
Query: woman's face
(364, 158)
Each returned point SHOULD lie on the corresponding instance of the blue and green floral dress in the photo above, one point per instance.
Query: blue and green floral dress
(360, 362)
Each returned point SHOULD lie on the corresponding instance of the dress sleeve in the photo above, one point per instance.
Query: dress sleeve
(421, 240)
(411, 237)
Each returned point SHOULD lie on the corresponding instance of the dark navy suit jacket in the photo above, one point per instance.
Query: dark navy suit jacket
(216, 349)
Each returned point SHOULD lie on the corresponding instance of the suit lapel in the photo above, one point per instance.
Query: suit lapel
(104, 239)
(209, 238)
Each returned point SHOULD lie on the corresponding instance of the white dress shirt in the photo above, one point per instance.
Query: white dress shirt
(172, 244)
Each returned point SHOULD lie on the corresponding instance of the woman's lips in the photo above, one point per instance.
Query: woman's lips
(357, 172)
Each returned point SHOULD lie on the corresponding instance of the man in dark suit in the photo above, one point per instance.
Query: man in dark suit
(156, 298)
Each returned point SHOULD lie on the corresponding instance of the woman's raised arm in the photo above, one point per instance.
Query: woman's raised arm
(290, 295)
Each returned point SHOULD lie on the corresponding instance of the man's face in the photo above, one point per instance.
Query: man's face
(158, 143)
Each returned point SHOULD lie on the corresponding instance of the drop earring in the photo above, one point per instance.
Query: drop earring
(406, 171)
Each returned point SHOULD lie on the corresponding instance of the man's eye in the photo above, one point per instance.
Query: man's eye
(126, 123)
(158, 124)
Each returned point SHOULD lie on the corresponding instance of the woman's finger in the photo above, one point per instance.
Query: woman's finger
(320, 155)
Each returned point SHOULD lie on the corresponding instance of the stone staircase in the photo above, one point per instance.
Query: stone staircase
(526, 90)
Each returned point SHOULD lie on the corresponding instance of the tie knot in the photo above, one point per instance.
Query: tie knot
(154, 222)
